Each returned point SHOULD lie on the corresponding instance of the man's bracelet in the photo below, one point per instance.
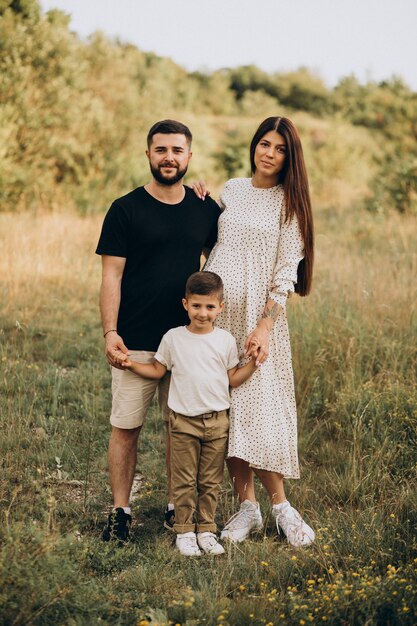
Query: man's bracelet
(112, 330)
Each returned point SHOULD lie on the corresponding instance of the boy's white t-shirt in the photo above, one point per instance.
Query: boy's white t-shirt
(198, 364)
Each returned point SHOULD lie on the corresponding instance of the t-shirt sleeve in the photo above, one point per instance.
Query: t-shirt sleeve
(163, 354)
(114, 235)
(212, 236)
(232, 357)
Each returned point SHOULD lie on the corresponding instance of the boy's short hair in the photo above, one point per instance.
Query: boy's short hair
(204, 284)
(169, 127)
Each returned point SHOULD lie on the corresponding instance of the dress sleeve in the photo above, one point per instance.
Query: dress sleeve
(223, 194)
(290, 253)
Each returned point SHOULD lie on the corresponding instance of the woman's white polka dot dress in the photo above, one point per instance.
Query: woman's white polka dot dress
(257, 255)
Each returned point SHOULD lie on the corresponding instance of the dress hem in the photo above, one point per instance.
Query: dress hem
(291, 476)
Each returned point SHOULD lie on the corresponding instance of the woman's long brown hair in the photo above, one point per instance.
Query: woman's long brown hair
(293, 177)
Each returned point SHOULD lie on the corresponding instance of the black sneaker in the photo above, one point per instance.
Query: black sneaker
(118, 526)
(169, 520)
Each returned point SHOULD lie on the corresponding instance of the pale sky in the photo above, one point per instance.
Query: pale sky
(372, 39)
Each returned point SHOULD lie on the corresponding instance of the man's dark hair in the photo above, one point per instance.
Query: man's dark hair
(169, 127)
(204, 284)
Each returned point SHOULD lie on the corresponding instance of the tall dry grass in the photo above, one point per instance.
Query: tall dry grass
(45, 258)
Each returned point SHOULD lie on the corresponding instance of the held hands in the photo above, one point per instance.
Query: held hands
(257, 344)
(123, 360)
(115, 349)
(200, 189)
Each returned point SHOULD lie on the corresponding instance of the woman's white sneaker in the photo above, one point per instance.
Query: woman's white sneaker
(208, 543)
(247, 520)
(288, 519)
(187, 544)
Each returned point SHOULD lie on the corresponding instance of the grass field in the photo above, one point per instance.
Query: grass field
(354, 351)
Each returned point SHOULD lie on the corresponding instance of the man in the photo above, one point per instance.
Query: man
(151, 241)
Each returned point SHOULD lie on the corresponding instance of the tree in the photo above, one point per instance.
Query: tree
(24, 8)
(233, 158)
(302, 90)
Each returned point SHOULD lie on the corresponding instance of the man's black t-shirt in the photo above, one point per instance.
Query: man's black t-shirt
(162, 244)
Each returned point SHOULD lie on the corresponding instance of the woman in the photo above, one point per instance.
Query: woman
(263, 254)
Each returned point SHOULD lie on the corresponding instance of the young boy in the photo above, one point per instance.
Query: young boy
(203, 361)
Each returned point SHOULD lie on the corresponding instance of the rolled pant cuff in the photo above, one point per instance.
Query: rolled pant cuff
(184, 528)
(206, 528)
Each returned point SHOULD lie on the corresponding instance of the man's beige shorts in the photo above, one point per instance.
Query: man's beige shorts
(133, 394)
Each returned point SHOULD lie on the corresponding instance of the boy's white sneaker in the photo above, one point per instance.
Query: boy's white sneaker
(247, 520)
(288, 519)
(208, 543)
(187, 544)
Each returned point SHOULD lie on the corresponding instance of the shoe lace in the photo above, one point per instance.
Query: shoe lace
(189, 542)
(237, 520)
(294, 522)
(210, 541)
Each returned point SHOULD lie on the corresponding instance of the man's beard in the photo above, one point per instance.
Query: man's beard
(171, 180)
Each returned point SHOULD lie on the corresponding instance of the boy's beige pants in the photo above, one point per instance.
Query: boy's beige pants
(198, 451)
